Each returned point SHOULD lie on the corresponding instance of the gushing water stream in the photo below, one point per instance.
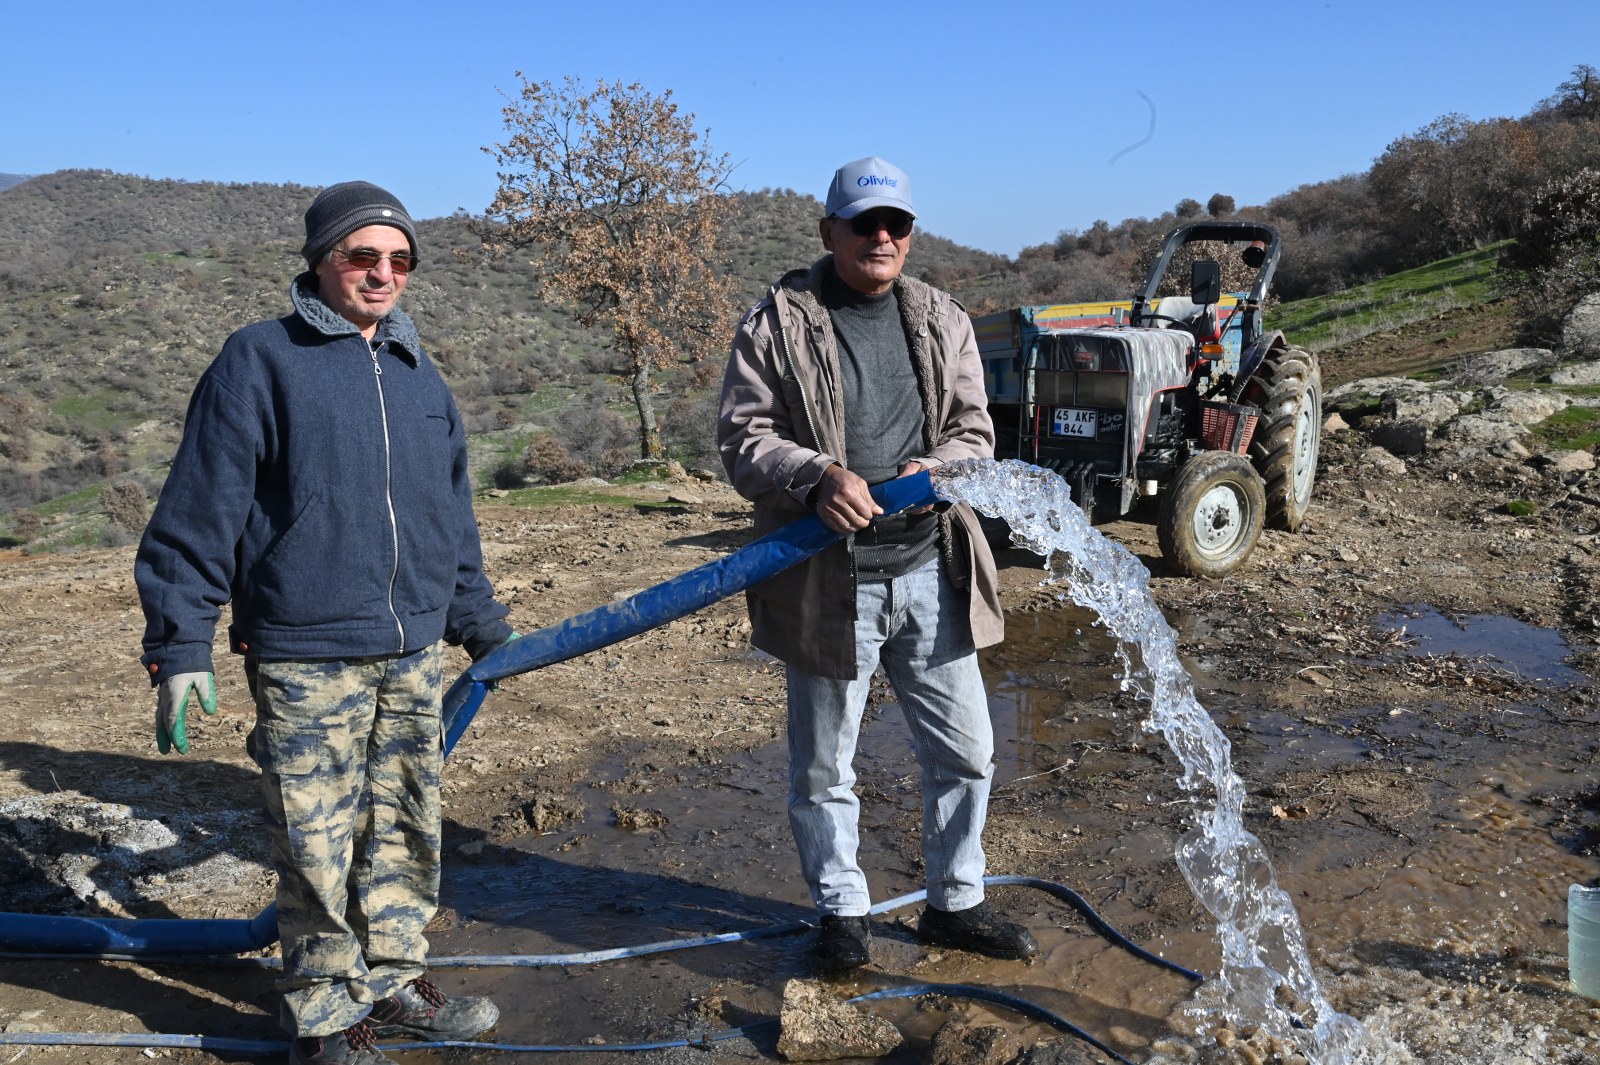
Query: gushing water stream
(1266, 978)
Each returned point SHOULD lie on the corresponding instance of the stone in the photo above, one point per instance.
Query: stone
(1334, 423)
(1580, 331)
(1568, 461)
(1384, 462)
(1401, 438)
(959, 1043)
(1487, 366)
(1578, 373)
(816, 1026)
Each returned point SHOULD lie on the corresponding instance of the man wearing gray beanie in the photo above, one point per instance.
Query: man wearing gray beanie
(321, 488)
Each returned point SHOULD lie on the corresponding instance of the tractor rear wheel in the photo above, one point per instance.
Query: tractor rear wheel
(1288, 389)
(1211, 514)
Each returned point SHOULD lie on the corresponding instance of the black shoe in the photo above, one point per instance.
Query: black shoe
(979, 930)
(842, 943)
(421, 1010)
(356, 1045)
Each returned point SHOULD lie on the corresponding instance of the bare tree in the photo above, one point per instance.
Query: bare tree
(622, 202)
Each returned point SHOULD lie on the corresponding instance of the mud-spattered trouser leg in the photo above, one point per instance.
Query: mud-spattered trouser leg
(917, 626)
(351, 753)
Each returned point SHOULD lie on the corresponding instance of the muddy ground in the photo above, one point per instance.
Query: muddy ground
(1426, 800)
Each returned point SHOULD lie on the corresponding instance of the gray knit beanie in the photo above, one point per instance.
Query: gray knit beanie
(339, 210)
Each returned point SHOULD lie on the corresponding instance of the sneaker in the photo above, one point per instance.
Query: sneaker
(356, 1045)
(842, 943)
(421, 1010)
(979, 930)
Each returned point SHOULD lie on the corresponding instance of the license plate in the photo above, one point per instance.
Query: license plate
(1075, 421)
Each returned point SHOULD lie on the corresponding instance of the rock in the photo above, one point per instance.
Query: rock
(1580, 332)
(1489, 366)
(816, 1026)
(1525, 408)
(960, 1043)
(1401, 438)
(1567, 461)
(1480, 429)
(700, 473)
(1384, 462)
(1430, 409)
(1334, 423)
(684, 498)
(1578, 373)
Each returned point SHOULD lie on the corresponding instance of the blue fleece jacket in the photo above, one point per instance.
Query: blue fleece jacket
(321, 486)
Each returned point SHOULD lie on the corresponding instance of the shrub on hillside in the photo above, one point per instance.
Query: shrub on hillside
(547, 461)
(1555, 260)
(27, 525)
(126, 505)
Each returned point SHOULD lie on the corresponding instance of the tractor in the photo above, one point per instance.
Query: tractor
(1187, 399)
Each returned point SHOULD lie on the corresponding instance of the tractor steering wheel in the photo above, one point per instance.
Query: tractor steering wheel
(1150, 317)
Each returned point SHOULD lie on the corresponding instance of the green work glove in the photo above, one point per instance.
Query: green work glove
(494, 685)
(172, 707)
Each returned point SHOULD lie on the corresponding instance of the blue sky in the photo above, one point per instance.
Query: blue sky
(1014, 120)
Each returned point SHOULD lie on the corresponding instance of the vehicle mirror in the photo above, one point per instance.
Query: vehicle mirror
(1205, 282)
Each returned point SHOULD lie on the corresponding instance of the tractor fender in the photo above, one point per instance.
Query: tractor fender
(1251, 358)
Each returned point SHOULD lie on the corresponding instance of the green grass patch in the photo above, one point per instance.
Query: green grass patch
(1320, 322)
(561, 495)
(1520, 508)
(1573, 429)
(92, 410)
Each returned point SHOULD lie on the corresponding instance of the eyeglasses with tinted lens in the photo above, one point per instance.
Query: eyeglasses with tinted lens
(896, 223)
(401, 262)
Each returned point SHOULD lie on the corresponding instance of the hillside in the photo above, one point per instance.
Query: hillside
(116, 291)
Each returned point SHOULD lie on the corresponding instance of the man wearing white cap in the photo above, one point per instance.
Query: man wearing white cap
(848, 374)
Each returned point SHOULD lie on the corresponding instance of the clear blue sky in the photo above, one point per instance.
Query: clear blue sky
(1014, 120)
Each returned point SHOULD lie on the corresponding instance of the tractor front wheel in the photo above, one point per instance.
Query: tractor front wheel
(1211, 514)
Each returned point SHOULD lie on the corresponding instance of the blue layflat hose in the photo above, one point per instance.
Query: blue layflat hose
(667, 601)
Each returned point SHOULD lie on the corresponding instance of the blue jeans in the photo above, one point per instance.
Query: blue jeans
(917, 627)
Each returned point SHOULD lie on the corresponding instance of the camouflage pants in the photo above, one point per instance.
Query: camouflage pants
(350, 753)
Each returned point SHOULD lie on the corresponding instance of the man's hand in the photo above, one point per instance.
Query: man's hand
(906, 471)
(172, 708)
(844, 503)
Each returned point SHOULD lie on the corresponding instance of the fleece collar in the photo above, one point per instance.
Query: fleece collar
(395, 328)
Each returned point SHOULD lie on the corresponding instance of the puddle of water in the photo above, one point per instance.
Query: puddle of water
(1527, 650)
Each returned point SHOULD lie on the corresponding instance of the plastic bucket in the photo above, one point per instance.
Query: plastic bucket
(1583, 939)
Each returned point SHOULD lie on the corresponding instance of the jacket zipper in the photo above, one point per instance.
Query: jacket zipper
(388, 495)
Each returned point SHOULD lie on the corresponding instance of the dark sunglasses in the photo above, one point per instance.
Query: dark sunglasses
(896, 223)
(401, 262)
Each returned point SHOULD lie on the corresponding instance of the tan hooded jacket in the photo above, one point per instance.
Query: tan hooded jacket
(782, 424)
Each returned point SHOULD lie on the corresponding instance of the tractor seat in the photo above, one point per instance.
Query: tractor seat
(1182, 308)
(1200, 319)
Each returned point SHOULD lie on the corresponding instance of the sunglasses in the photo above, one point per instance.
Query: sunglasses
(401, 262)
(896, 223)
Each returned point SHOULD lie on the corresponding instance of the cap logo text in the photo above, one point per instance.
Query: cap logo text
(868, 180)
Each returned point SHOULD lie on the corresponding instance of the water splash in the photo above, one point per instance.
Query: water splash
(1266, 978)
